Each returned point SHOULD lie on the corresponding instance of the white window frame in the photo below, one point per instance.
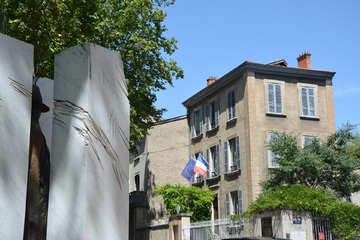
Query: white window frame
(233, 203)
(197, 122)
(212, 114)
(232, 156)
(231, 105)
(308, 100)
(275, 97)
(272, 156)
(306, 139)
(213, 158)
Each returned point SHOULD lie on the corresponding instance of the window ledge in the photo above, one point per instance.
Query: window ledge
(313, 118)
(198, 182)
(231, 120)
(212, 179)
(274, 167)
(197, 137)
(213, 129)
(280, 115)
(234, 172)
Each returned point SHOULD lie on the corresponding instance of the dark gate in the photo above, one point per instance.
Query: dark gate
(321, 229)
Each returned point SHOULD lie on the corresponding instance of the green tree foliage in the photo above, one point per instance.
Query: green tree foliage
(330, 164)
(134, 28)
(193, 200)
(345, 220)
(344, 216)
(298, 197)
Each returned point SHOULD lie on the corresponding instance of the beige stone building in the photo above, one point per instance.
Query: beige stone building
(161, 159)
(229, 123)
(232, 118)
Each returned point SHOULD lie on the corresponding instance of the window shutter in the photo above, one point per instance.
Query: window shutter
(304, 102)
(207, 116)
(237, 151)
(233, 103)
(273, 162)
(240, 203)
(217, 104)
(193, 132)
(311, 94)
(226, 157)
(208, 160)
(218, 159)
(229, 106)
(201, 120)
(271, 97)
(227, 204)
(278, 98)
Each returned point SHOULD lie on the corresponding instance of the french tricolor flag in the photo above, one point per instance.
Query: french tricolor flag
(201, 165)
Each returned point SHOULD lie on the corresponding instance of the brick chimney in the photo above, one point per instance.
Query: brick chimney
(211, 80)
(304, 60)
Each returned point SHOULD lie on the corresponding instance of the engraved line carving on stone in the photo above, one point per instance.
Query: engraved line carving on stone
(114, 125)
(19, 87)
(90, 128)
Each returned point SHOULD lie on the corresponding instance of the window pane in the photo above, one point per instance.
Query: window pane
(227, 204)
(231, 105)
(304, 101)
(278, 100)
(271, 98)
(273, 156)
(308, 101)
(307, 140)
(226, 160)
(274, 98)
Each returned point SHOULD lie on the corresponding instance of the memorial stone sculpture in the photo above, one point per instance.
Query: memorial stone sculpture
(38, 174)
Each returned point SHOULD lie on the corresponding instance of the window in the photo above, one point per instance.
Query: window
(233, 203)
(272, 156)
(137, 182)
(307, 140)
(213, 158)
(274, 91)
(196, 123)
(232, 154)
(231, 105)
(197, 177)
(308, 101)
(212, 115)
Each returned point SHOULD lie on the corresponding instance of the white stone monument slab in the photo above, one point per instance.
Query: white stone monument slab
(16, 67)
(89, 197)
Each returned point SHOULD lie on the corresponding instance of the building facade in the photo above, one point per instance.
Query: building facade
(162, 157)
(234, 116)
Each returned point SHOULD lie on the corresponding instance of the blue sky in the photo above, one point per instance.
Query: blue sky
(215, 36)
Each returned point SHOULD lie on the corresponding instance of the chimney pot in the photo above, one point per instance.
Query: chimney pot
(211, 80)
(304, 60)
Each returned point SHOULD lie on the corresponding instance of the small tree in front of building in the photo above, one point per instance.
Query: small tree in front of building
(315, 178)
(193, 200)
(329, 164)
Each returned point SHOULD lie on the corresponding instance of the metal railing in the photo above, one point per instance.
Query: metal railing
(212, 230)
